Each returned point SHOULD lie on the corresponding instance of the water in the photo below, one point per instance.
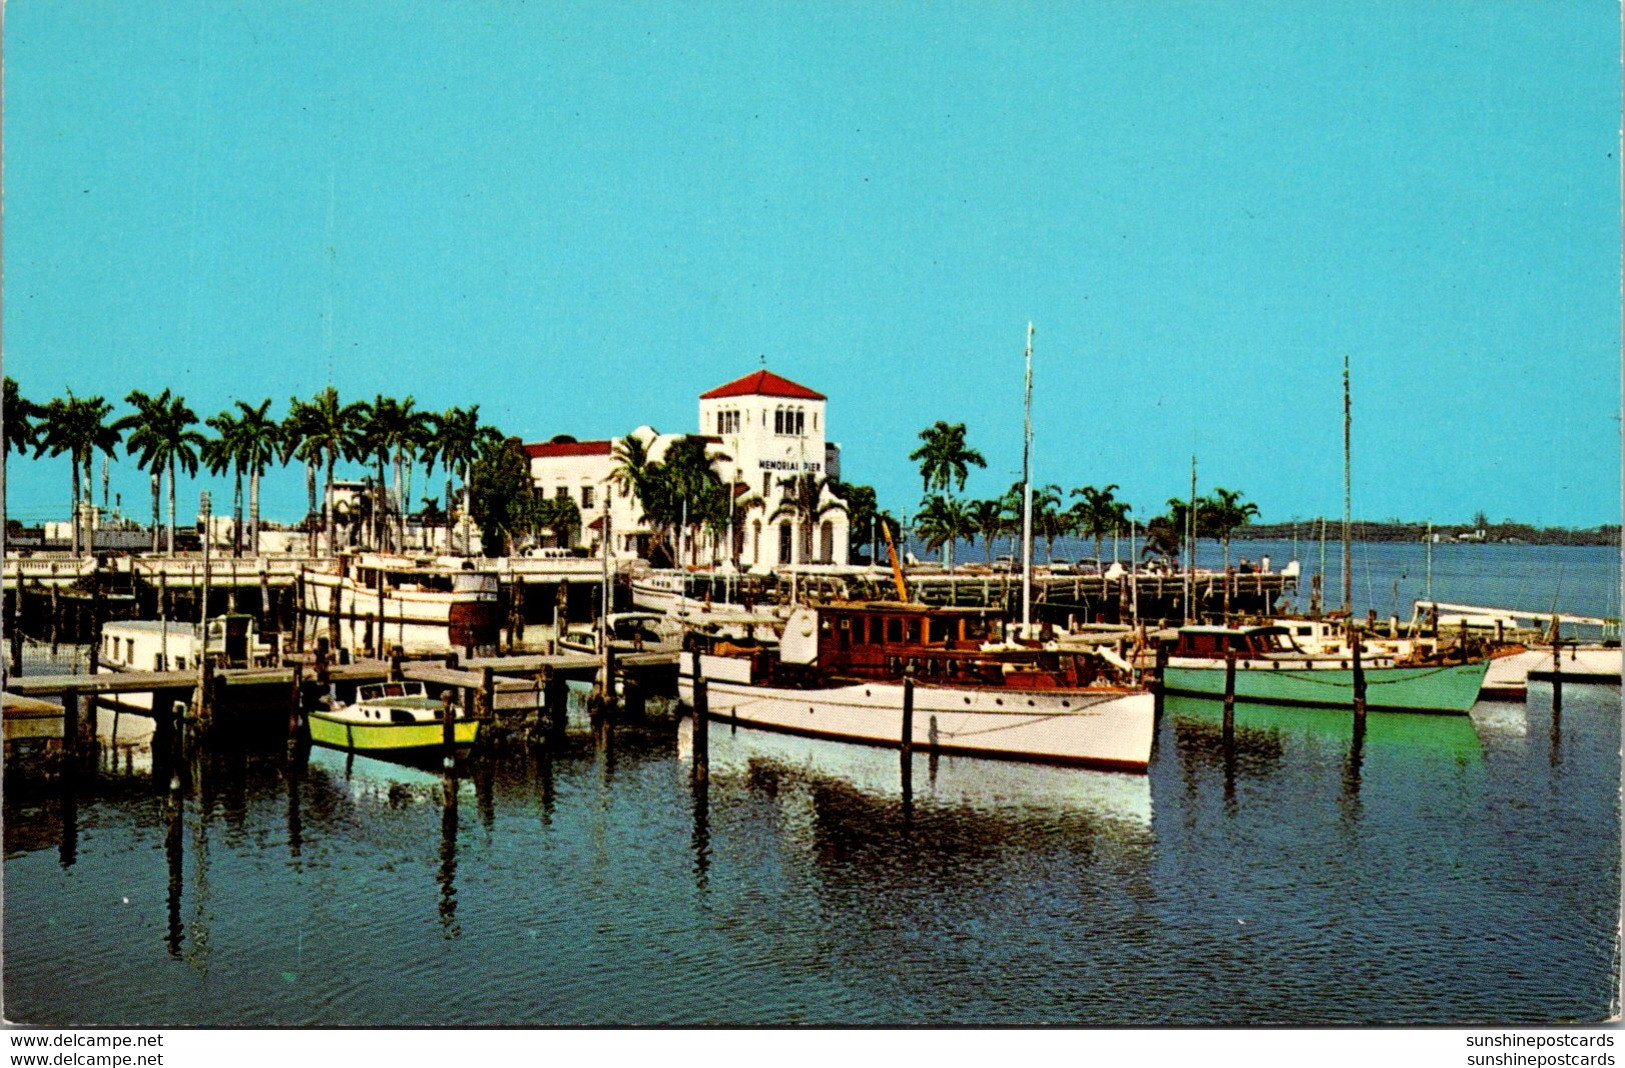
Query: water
(1442, 870)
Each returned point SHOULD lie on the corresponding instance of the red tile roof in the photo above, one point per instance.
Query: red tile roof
(568, 448)
(763, 384)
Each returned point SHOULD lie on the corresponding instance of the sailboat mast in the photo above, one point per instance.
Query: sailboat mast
(1348, 572)
(1190, 548)
(1027, 495)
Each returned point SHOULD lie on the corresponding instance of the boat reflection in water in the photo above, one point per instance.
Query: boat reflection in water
(1115, 803)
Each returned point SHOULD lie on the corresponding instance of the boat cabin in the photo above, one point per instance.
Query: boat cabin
(394, 702)
(880, 639)
(1247, 642)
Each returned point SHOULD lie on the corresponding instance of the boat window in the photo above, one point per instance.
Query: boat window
(157, 661)
(394, 689)
(845, 626)
(939, 630)
(180, 663)
(894, 630)
(974, 629)
(914, 631)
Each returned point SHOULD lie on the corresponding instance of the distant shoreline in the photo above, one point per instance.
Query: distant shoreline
(1444, 534)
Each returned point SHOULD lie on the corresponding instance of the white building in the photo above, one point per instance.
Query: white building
(760, 431)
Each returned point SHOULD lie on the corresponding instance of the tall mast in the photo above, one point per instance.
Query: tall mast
(1027, 496)
(1348, 572)
(1190, 549)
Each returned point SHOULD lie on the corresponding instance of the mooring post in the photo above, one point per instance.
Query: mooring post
(451, 660)
(395, 672)
(16, 635)
(295, 703)
(556, 696)
(70, 721)
(205, 694)
(1464, 640)
(488, 693)
(1229, 690)
(1557, 674)
(1359, 675)
(702, 723)
(1160, 684)
(448, 733)
(907, 740)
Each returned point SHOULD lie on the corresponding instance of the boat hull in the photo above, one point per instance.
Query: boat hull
(387, 737)
(1443, 689)
(1094, 728)
(455, 619)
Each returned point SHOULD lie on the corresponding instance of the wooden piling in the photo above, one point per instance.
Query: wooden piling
(205, 694)
(634, 705)
(1229, 689)
(395, 673)
(556, 696)
(1359, 676)
(70, 721)
(295, 703)
(1557, 677)
(1160, 685)
(702, 723)
(488, 693)
(907, 740)
(448, 733)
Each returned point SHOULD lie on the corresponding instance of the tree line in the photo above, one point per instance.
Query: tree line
(1093, 513)
(167, 439)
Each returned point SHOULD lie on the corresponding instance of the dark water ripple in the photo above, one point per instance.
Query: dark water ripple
(1460, 871)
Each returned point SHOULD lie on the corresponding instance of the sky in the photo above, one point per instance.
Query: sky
(579, 216)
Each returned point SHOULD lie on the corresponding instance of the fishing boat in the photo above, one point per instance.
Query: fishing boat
(1272, 669)
(840, 672)
(390, 717)
(424, 604)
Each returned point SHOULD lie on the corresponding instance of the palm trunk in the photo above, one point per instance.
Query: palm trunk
(380, 511)
(448, 510)
(254, 512)
(327, 508)
(237, 515)
(400, 507)
(310, 511)
(73, 536)
(468, 506)
(157, 504)
(172, 507)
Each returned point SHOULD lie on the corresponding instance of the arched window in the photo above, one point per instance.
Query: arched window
(801, 422)
(778, 420)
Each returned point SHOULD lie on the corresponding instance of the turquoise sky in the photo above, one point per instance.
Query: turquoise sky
(580, 216)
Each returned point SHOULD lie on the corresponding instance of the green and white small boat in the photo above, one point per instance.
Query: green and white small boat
(1270, 669)
(390, 717)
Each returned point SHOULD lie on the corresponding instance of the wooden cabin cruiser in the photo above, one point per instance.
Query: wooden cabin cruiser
(693, 593)
(1272, 669)
(630, 632)
(448, 602)
(390, 718)
(839, 673)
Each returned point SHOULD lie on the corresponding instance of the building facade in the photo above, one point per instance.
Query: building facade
(763, 432)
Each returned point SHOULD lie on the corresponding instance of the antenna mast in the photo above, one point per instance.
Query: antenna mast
(1348, 572)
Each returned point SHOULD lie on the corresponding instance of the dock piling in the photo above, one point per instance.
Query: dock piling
(1229, 694)
(907, 740)
(1359, 675)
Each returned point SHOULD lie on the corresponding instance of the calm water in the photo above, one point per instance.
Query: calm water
(1460, 870)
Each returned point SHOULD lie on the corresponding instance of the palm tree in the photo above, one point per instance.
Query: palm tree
(259, 441)
(161, 431)
(807, 499)
(944, 458)
(375, 441)
(456, 445)
(1224, 512)
(1098, 513)
(225, 453)
(333, 432)
(990, 521)
(1049, 522)
(18, 416)
(77, 426)
(296, 440)
(1163, 538)
(940, 522)
(685, 490)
